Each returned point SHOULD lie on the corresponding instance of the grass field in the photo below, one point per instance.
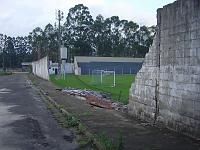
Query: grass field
(118, 93)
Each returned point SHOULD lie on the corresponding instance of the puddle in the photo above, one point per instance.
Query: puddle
(6, 118)
(5, 91)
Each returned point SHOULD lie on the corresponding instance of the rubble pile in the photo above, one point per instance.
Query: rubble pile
(95, 98)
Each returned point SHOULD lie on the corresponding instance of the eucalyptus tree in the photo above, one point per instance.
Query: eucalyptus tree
(129, 31)
(77, 30)
(9, 52)
(51, 42)
(85, 36)
(37, 38)
(144, 39)
(115, 35)
(98, 29)
(143, 35)
(23, 50)
(104, 36)
(152, 31)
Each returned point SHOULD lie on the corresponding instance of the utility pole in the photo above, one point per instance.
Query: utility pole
(4, 69)
(59, 17)
(2, 46)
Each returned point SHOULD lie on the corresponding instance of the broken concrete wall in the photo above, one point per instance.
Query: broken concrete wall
(167, 88)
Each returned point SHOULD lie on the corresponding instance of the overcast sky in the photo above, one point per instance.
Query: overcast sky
(19, 17)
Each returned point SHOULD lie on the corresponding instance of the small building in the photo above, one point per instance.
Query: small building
(68, 68)
(53, 68)
(121, 65)
(26, 66)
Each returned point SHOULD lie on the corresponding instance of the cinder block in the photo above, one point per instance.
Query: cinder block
(197, 106)
(176, 71)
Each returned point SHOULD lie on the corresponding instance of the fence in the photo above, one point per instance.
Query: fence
(40, 68)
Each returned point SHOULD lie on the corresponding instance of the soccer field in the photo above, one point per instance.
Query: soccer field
(118, 93)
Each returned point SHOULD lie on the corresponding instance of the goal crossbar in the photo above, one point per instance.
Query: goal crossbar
(103, 77)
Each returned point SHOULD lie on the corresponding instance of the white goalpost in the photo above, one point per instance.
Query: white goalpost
(104, 78)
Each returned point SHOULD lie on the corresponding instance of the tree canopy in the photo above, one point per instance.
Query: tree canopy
(82, 35)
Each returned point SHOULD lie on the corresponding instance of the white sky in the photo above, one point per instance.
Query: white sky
(19, 17)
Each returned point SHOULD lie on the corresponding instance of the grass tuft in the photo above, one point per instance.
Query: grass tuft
(5, 73)
(108, 143)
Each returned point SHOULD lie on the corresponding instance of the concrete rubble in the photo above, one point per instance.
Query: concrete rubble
(95, 98)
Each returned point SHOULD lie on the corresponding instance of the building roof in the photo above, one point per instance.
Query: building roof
(26, 63)
(107, 59)
(53, 65)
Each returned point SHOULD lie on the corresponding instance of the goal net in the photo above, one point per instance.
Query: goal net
(104, 78)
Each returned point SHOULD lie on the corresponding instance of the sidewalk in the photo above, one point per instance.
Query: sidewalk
(136, 135)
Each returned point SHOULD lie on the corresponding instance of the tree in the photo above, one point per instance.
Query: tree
(23, 50)
(129, 30)
(37, 38)
(51, 42)
(114, 35)
(82, 36)
(77, 30)
(152, 31)
(98, 29)
(14, 51)
(144, 39)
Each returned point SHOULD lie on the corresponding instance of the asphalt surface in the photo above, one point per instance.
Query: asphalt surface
(25, 122)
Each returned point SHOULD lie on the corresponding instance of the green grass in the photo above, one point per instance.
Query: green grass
(118, 93)
(5, 73)
(108, 143)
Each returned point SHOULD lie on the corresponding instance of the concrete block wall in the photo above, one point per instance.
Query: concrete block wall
(40, 68)
(167, 88)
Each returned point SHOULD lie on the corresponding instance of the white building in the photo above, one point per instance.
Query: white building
(53, 68)
(68, 68)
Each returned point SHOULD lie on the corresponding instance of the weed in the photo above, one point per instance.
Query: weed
(120, 144)
(5, 73)
(49, 106)
(61, 106)
(108, 143)
(84, 141)
(81, 129)
(71, 121)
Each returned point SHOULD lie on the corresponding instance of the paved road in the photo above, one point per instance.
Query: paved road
(25, 123)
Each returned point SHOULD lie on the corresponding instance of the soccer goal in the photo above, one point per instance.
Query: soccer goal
(104, 78)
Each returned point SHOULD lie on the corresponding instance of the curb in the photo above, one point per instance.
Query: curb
(65, 112)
